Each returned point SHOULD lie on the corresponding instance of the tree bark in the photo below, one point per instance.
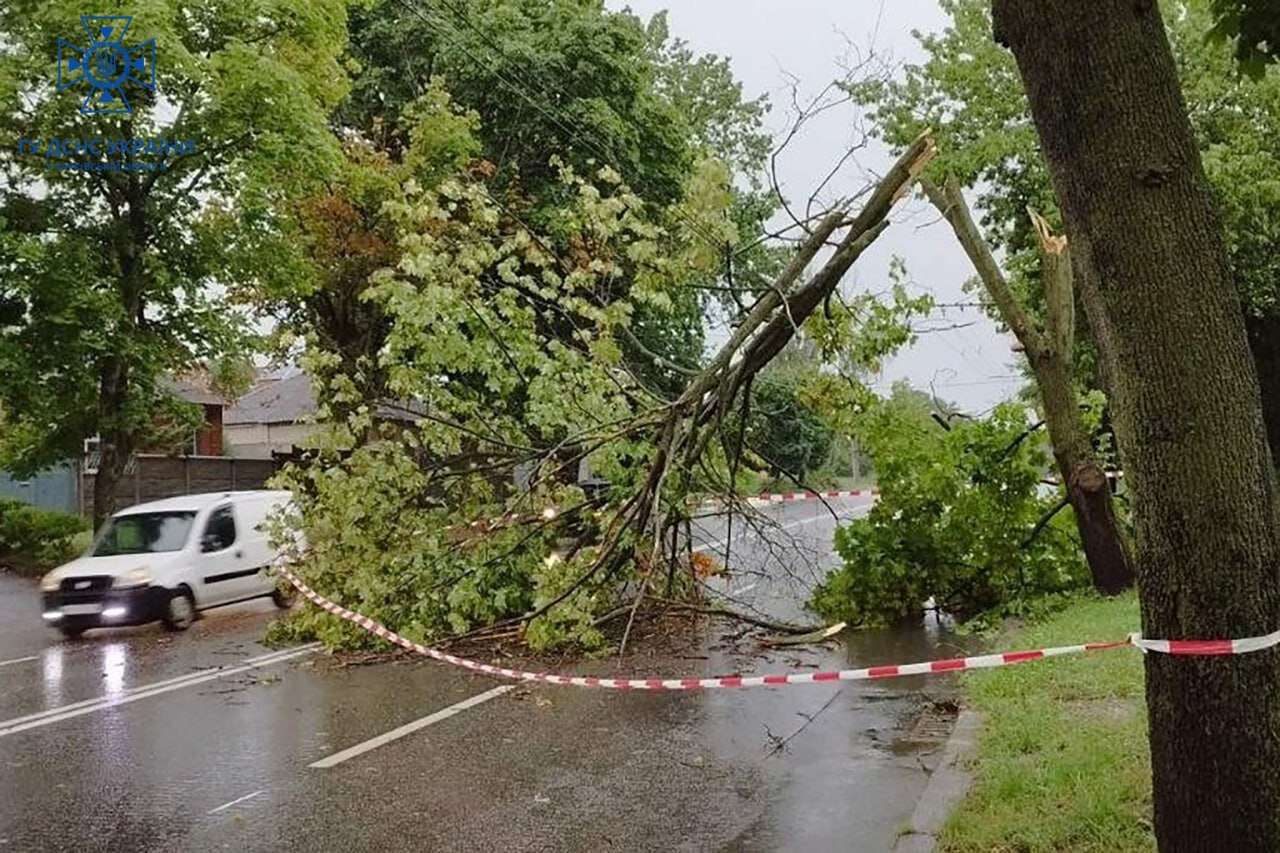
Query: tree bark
(1050, 353)
(115, 446)
(117, 428)
(1264, 342)
(1104, 95)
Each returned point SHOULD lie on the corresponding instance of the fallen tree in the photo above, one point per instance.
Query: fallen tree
(512, 360)
(687, 425)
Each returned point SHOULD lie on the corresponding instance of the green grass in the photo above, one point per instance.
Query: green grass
(1062, 761)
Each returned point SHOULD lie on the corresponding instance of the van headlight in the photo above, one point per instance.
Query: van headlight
(140, 576)
(50, 582)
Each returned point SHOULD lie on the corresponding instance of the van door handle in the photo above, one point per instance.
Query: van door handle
(239, 554)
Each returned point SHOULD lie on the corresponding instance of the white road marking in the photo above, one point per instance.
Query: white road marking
(260, 660)
(235, 802)
(19, 660)
(410, 728)
(88, 706)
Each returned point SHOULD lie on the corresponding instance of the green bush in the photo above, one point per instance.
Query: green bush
(33, 539)
(955, 522)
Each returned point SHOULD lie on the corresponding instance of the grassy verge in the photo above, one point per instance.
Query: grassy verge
(1062, 762)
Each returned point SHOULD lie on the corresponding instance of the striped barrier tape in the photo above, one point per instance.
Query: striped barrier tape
(1172, 647)
(1206, 648)
(787, 497)
(763, 499)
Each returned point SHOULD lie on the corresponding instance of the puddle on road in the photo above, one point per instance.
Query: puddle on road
(824, 763)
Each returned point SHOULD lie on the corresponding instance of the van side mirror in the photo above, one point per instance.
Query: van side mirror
(210, 542)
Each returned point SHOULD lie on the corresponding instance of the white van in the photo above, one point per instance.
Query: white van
(168, 560)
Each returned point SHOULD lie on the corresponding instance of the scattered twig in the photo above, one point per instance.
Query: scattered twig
(779, 744)
(780, 627)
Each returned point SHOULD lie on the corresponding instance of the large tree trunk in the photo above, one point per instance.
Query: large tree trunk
(1264, 341)
(1104, 95)
(116, 426)
(115, 445)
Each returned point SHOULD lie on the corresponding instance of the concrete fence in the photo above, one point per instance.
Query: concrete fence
(152, 477)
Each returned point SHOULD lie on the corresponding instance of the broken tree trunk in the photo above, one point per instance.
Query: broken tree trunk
(1049, 352)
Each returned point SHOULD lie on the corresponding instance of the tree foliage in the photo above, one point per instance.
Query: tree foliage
(960, 519)
(111, 274)
(502, 87)
(568, 76)
(474, 304)
(786, 428)
(1253, 27)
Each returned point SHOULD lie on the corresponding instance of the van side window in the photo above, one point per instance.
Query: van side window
(220, 532)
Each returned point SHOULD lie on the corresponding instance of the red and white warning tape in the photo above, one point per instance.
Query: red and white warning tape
(1172, 647)
(1203, 648)
(787, 497)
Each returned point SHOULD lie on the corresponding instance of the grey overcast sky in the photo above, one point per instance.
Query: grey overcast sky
(771, 42)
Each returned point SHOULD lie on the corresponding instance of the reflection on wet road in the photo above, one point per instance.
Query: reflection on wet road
(141, 740)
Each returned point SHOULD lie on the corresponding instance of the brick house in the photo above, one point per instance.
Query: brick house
(194, 388)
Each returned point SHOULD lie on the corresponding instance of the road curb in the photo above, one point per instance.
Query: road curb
(947, 786)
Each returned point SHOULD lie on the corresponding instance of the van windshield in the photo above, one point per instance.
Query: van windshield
(144, 533)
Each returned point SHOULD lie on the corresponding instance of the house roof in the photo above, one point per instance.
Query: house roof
(194, 387)
(286, 396)
(285, 400)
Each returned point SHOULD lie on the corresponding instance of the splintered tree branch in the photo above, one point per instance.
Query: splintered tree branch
(1059, 288)
(950, 203)
(1050, 353)
(775, 318)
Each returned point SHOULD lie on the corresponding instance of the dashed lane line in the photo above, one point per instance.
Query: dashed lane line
(235, 802)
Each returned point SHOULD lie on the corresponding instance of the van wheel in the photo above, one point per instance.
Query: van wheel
(284, 597)
(71, 633)
(181, 611)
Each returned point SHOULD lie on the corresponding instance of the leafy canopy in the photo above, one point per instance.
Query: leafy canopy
(1254, 28)
(109, 280)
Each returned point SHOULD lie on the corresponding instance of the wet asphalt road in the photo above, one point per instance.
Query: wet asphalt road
(138, 740)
